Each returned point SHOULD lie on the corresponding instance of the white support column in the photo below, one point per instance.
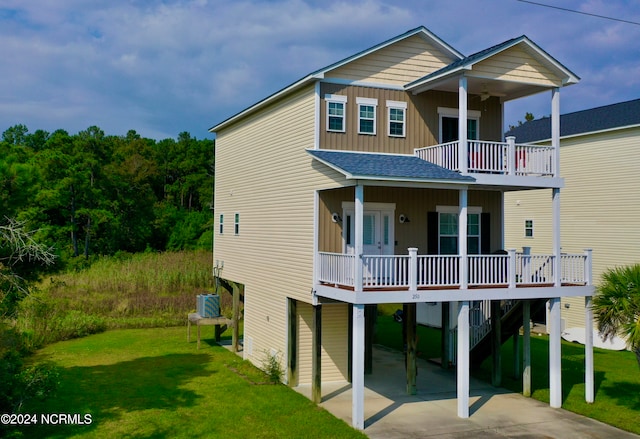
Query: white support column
(557, 272)
(555, 354)
(589, 393)
(357, 368)
(463, 360)
(463, 155)
(526, 348)
(413, 269)
(462, 238)
(511, 155)
(358, 226)
(555, 128)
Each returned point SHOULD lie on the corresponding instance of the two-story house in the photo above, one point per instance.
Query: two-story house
(357, 185)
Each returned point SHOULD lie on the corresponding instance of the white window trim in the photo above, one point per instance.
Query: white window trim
(339, 99)
(401, 105)
(471, 210)
(455, 113)
(532, 229)
(456, 209)
(369, 102)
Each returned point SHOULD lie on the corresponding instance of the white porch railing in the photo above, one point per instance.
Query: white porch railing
(443, 271)
(506, 158)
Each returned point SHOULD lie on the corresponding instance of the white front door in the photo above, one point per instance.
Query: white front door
(377, 232)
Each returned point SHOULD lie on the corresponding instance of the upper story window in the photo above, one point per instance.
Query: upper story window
(528, 228)
(397, 112)
(236, 224)
(336, 112)
(221, 230)
(367, 115)
(449, 124)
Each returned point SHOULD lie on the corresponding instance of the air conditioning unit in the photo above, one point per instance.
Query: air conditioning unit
(208, 305)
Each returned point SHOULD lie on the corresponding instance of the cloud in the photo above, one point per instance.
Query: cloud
(182, 65)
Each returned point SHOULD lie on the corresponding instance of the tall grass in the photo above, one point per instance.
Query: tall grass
(127, 291)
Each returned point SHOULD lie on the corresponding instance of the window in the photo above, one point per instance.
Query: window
(397, 114)
(221, 230)
(236, 224)
(528, 228)
(367, 115)
(448, 230)
(336, 106)
(449, 124)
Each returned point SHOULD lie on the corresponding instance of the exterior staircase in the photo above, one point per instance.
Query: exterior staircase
(511, 321)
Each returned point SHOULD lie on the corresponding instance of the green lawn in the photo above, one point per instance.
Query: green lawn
(617, 377)
(152, 383)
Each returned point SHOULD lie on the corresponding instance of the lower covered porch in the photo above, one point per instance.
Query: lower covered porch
(471, 320)
(389, 412)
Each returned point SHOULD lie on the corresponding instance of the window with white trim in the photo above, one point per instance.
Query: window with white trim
(396, 115)
(236, 224)
(367, 109)
(336, 113)
(449, 124)
(448, 230)
(221, 224)
(528, 228)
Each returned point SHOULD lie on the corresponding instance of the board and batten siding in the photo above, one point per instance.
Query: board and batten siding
(264, 174)
(422, 119)
(599, 207)
(398, 64)
(413, 203)
(515, 64)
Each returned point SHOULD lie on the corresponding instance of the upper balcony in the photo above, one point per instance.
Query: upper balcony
(497, 158)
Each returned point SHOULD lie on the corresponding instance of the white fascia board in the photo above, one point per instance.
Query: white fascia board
(572, 78)
(520, 181)
(432, 82)
(450, 295)
(586, 133)
(263, 102)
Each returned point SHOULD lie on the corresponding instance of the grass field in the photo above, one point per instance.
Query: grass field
(151, 383)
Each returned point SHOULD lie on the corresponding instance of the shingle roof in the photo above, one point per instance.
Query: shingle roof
(581, 122)
(386, 166)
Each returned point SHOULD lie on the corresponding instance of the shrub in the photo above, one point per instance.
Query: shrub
(271, 366)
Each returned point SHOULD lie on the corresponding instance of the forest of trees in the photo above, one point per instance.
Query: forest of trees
(95, 194)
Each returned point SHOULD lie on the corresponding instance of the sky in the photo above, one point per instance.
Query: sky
(165, 67)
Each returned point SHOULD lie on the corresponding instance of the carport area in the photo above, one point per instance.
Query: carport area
(432, 412)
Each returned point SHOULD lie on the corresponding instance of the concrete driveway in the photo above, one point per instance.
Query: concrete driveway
(494, 412)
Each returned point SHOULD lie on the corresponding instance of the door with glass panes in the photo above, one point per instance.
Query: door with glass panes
(377, 240)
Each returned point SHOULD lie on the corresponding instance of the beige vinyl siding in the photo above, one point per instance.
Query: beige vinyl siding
(515, 64)
(264, 173)
(398, 64)
(415, 204)
(422, 119)
(335, 339)
(600, 206)
(335, 342)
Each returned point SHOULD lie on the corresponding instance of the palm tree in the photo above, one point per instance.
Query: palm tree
(616, 305)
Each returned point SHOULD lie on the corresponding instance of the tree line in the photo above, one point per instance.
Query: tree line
(91, 193)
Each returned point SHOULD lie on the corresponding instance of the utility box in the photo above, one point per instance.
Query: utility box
(208, 305)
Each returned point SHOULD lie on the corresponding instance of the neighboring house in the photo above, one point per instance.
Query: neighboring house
(356, 185)
(600, 155)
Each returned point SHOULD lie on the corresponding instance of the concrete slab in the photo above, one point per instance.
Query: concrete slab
(494, 413)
